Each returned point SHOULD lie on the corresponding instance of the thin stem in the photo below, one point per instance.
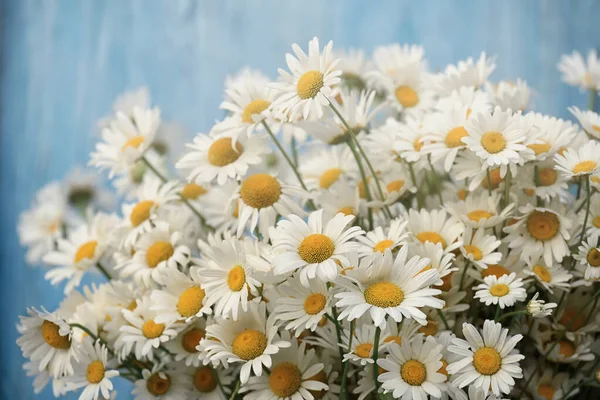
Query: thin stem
(338, 331)
(438, 187)
(375, 356)
(413, 177)
(497, 312)
(511, 314)
(443, 318)
(364, 180)
(592, 100)
(90, 334)
(489, 180)
(235, 390)
(103, 270)
(346, 364)
(507, 182)
(294, 151)
(587, 209)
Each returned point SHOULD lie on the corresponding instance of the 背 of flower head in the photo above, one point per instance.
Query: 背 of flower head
(363, 226)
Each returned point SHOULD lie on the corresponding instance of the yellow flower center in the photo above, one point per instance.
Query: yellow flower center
(395, 186)
(191, 339)
(158, 386)
(314, 303)
(205, 380)
(542, 273)
(487, 361)
(406, 96)
(413, 372)
(254, 107)
(546, 391)
(444, 369)
(383, 245)
(455, 135)
(260, 191)
(236, 278)
(540, 148)
(432, 237)
(141, 212)
(316, 248)
(347, 210)
(363, 350)
(50, 333)
(547, 176)
(593, 257)
(395, 339)
(309, 84)
(222, 152)
(384, 294)
(95, 372)
(158, 252)
(249, 344)
(496, 270)
(478, 215)
(191, 191)
(430, 329)
(495, 179)
(499, 290)
(493, 142)
(596, 222)
(134, 142)
(86, 250)
(329, 177)
(418, 144)
(543, 225)
(566, 348)
(152, 330)
(474, 251)
(285, 379)
(585, 167)
(596, 127)
(190, 301)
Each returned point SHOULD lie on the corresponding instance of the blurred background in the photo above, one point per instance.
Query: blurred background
(64, 62)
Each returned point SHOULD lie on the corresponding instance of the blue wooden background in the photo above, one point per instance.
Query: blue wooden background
(63, 63)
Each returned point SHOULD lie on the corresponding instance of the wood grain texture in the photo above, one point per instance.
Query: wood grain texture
(63, 63)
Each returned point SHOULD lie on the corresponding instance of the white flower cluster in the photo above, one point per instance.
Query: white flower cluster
(358, 228)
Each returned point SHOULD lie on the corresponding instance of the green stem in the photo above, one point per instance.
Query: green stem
(338, 331)
(413, 177)
(587, 210)
(510, 314)
(507, 182)
(375, 356)
(294, 151)
(346, 364)
(235, 390)
(443, 318)
(592, 100)
(497, 312)
(364, 180)
(489, 180)
(103, 270)
(436, 181)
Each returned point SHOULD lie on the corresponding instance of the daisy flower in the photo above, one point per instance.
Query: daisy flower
(412, 369)
(472, 100)
(410, 137)
(508, 95)
(554, 134)
(408, 90)
(439, 260)
(582, 161)
(325, 168)
(394, 287)
(479, 248)
(489, 362)
(467, 73)
(551, 277)
(589, 257)
(481, 210)
(313, 247)
(538, 308)
(435, 226)
(445, 139)
(162, 383)
(344, 199)
(576, 71)
(184, 346)
(379, 240)
(211, 384)
(307, 89)
(589, 121)
(389, 60)
(93, 372)
(504, 291)
(362, 344)
(251, 340)
(354, 67)
(593, 225)
(219, 157)
(544, 181)
(568, 351)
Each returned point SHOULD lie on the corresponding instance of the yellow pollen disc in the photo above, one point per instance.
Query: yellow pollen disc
(384, 294)
(478, 215)
(443, 369)
(542, 273)
(285, 379)
(53, 338)
(455, 135)
(540, 148)
(192, 191)
(222, 152)
(141, 212)
(566, 348)
(493, 142)
(321, 376)
(395, 339)
(152, 330)
(254, 107)
(191, 339)
(205, 380)
(132, 305)
(134, 142)
(593, 257)
(236, 278)
(546, 391)
(86, 250)
(314, 303)
(190, 301)
(363, 350)
(309, 84)
(474, 251)
(329, 177)
(499, 290)
(316, 248)
(158, 252)
(395, 186)
(347, 210)
(567, 319)
(418, 144)
(584, 167)
(260, 191)
(596, 222)
(430, 329)
(543, 225)
(157, 385)
(249, 344)
(432, 237)
(95, 372)
(495, 179)
(547, 176)
(529, 192)
(487, 361)
(413, 372)
(406, 96)
(383, 245)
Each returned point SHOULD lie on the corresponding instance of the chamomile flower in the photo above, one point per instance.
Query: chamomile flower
(219, 157)
(589, 121)
(439, 260)
(379, 240)
(508, 95)
(344, 199)
(582, 161)
(551, 277)
(467, 73)
(389, 60)
(314, 246)
(489, 362)
(354, 67)
(390, 287)
(184, 346)
(251, 340)
(480, 210)
(472, 100)
(209, 383)
(589, 257)
(544, 181)
(162, 383)
(362, 344)
(412, 369)
(435, 226)
(593, 225)
(307, 89)
(327, 167)
(538, 308)
(445, 140)
(504, 291)
(567, 351)
(409, 92)
(479, 248)
(576, 71)
(554, 134)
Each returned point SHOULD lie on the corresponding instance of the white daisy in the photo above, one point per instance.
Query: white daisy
(554, 134)
(162, 383)
(379, 240)
(479, 248)
(212, 384)
(363, 344)
(504, 291)
(435, 226)
(408, 90)
(578, 72)
(467, 73)
(439, 260)
(551, 277)
(324, 168)
(445, 140)
(354, 66)
(481, 210)
(589, 121)
(589, 258)
(508, 95)
(538, 308)
(184, 346)
(468, 98)
(581, 161)
(344, 199)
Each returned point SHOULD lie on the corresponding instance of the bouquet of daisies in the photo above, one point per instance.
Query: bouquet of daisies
(356, 229)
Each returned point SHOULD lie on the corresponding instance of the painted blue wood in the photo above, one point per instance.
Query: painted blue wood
(63, 62)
